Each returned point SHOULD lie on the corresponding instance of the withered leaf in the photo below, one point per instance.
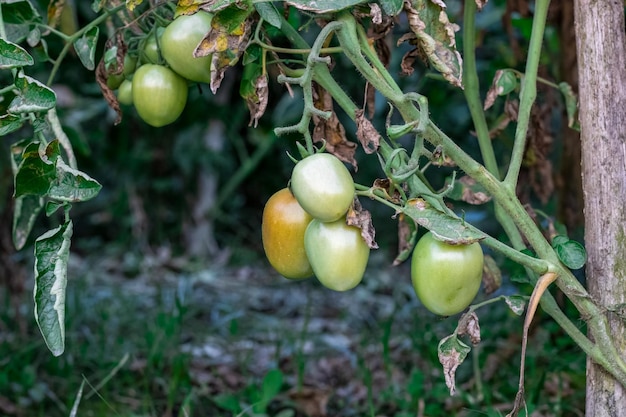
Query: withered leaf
(366, 133)
(311, 401)
(359, 217)
(226, 45)
(101, 75)
(492, 276)
(407, 237)
(504, 82)
(469, 325)
(452, 352)
(376, 13)
(434, 36)
(480, 4)
(331, 130)
(473, 193)
(257, 104)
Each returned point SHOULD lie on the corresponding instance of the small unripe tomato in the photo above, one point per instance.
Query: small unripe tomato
(159, 94)
(283, 227)
(323, 186)
(446, 277)
(337, 252)
(125, 93)
(180, 38)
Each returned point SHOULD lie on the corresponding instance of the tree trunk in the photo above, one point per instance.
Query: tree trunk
(601, 43)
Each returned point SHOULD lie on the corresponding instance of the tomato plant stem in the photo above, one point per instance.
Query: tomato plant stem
(471, 89)
(528, 91)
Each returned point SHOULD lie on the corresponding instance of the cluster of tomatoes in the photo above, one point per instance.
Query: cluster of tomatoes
(304, 228)
(156, 81)
(305, 233)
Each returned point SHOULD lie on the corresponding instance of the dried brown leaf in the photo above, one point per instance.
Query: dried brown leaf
(435, 37)
(331, 130)
(480, 4)
(469, 325)
(452, 352)
(376, 13)
(258, 103)
(366, 133)
(473, 193)
(226, 46)
(492, 276)
(311, 401)
(101, 75)
(407, 237)
(359, 217)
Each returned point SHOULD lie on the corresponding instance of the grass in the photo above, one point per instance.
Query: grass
(242, 341)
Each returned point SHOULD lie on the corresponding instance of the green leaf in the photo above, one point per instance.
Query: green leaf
(53, 206)
(452, 352)
(391, 7)
(34, 174)
(13, 56)
(570, 252)
(72, 185)
(85, 47)
(517, 273)
(228, 402)
(571, 105)
(10, 123)
(33, 96)
(272, 384)
(443, 226)
(26, 210)
(52, 251)
(325, 6)
(269, 13)
(19, 12)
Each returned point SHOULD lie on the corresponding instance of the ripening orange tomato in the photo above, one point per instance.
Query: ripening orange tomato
(283, 227)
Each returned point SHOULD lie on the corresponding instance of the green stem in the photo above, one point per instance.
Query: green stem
(471, 88)
(528, 91)
(472, 96)
(71, 39)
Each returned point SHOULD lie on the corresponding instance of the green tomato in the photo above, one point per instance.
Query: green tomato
(446, 278)
(180, 39)
(130, 64)
(114, 81)
(337, 252)
(125, 93)
(150, 50)
(159, 94)
(323, 186)
(283, 227)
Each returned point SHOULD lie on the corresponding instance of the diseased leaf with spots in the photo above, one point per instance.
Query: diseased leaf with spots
(10, 123)
(452, 352)
(85, 48)
(131, 4)
(445, 227)
(26, 208)
(71, 185)
(433, 35)
(359, 217)
(52, 250)
(13, 56)
(32, 96)
(324, 6)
